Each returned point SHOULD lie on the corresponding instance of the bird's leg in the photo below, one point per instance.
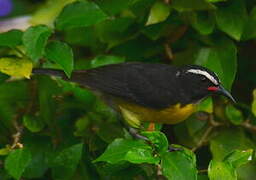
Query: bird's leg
(151, 127)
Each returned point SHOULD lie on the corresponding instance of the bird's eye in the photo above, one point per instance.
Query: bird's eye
(203, 79)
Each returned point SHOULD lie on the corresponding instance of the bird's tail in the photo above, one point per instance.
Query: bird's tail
(51, 72)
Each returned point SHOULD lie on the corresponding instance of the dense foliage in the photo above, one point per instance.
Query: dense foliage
(52, 129)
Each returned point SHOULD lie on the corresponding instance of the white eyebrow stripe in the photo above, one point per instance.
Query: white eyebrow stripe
(204, 73)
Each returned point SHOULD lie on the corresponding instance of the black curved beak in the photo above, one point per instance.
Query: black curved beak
(221, 90)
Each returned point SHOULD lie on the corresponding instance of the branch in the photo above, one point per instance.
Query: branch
(168, 51)
(212, 125)
(17, 136)
(248, 125)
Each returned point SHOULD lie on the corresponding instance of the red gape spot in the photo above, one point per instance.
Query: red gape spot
(212, 88)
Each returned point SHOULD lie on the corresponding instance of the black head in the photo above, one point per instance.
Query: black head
(199, 82)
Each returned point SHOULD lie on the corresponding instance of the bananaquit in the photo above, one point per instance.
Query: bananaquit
(144, 92)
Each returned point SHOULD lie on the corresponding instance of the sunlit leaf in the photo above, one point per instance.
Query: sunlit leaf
(16, 67)
(158, 13)
(48, 12)
(221, 170)
(238, 158)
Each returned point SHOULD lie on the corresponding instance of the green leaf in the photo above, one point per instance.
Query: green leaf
(33, 124)
(222, 59)
(79, 14)
(16, 67)
(227, 141)
(158, 13)
(206, 105)
(113, 7)
(189, 5)
(158, 140)
(105, 60)
(234, 115)
(249, 29)
(128, 150)
(34, 40)
(61, 54)
(65, 163)
(115, 31)
(231, 18)
(203, 22)
(17, 161)
(11, 38)
(221, 170)
(238, 158)
(179, 165)
(254, 102)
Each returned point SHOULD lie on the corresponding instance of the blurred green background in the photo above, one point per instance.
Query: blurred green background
(52, 129)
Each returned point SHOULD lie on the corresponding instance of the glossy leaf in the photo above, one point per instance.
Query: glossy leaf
(158, 139)
(227, 141)
(221, 170)
(231, 18)
(79, 14)
(61, 54)
(128, 150)
(65, 163)
(238, 158)
(11, 38)
(17, 161)
(158, 13)
(34, 40)
(179, 165)
(16, 67)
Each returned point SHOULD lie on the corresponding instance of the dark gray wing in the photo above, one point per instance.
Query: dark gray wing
(151, 85)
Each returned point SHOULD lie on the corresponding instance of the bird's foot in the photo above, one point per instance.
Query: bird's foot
(172, 149)
(136, 134)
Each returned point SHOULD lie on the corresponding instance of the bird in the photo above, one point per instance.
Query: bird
(148, 92)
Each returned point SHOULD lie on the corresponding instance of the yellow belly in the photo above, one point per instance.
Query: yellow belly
(135, 114)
